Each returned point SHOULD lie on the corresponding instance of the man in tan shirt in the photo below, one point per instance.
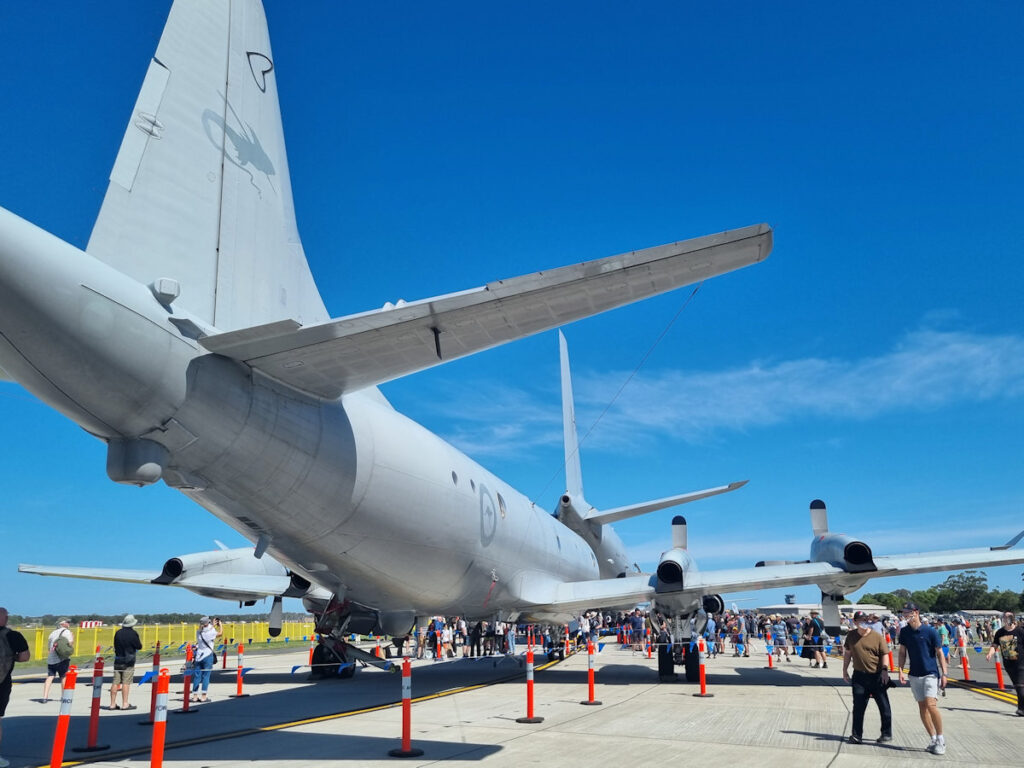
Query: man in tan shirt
(867, 650)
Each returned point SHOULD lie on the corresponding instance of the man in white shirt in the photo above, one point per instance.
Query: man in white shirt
(56, 666)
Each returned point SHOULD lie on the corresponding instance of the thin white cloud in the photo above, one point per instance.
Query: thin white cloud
(926, 370)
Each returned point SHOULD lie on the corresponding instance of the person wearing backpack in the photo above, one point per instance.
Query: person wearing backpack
(13, 648)
(62, 646)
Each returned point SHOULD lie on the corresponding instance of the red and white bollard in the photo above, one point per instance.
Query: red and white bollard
(529, 691)
(224, 657)
(60, 737)
(999, 671)
(312, 647)
(187, 685)
(590, 675)
(162, 686)
(888, 642)
(152, 686)
(648, 633)
(238, 675)
(377, 651)
(94, 713)
(771, 653)
(407, 748)
(963, 660)
(566, 639)
(703, 678)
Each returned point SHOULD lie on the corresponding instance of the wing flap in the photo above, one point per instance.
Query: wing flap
(362, 350)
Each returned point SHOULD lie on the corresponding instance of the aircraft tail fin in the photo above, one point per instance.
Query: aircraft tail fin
(819, 518)
(573, 470)
(200, 191)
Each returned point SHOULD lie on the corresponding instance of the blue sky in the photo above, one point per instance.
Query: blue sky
(875, 360)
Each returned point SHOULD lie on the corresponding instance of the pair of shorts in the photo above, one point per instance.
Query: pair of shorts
(60, 669)
(123, 676)
(926, 687)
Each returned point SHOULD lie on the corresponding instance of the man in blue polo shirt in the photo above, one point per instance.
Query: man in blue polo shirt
(927, 672)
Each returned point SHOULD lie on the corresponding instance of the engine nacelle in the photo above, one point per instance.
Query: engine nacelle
(851, 555)
(672, 569)
(236, 562)
(713, 604)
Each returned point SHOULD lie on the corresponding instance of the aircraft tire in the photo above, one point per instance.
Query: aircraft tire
(321, 658)
(691, 664)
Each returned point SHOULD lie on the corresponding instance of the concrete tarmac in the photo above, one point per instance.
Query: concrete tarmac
(465, 711)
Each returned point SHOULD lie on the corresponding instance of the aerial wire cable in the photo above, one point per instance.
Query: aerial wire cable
(632, 375)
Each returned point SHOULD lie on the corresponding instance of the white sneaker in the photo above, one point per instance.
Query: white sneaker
(939, 748)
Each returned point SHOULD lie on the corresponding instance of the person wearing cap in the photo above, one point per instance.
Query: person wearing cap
(57, 666)
(1009, 641)
(206, 640)
(126, 643)
(867, 651)
(927, 672)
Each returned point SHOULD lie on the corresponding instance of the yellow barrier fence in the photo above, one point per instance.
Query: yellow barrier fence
(171, 636)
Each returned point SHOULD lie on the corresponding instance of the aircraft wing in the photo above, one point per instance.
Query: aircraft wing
(225, 586)
(342, 355)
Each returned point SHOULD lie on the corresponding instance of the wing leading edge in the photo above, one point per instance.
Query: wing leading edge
(358, 351)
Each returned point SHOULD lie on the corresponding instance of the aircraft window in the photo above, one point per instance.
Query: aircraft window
(501, 505)
(455, 478)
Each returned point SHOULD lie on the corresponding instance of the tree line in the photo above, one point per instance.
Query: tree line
(962, 591)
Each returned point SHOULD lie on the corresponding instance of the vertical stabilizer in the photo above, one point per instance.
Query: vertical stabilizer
(200, 191)
(573, 472)
(819, 518)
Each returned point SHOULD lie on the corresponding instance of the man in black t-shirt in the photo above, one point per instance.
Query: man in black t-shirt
(13, 648)
(126, 643)
(1009, 642)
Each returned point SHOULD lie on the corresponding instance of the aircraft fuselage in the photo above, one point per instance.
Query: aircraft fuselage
(349, 493)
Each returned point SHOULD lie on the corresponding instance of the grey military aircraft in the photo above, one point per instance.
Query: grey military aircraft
(190, 337)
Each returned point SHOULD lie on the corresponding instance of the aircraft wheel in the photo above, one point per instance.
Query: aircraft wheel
(347, 672)
(321, 658)
(691, 663)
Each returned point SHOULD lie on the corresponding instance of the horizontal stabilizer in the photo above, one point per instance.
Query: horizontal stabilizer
(358, 351)
(633, 510)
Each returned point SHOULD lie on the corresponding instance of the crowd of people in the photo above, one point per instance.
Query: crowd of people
(928, 643)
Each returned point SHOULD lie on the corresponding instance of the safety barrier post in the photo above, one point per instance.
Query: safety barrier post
(224, 657)
(648, 633)
(312, 647)
(999, 670)
(238, 675)
(187, 692)
(152, 686)
(770, 655)
(566, 639)
(963, 660)
(94, 714)
(438, 651)
(703, 679)
(407, 748)
(590, 675)
(162, 685)
(64, 718)
(529, 691)
(888, 642)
